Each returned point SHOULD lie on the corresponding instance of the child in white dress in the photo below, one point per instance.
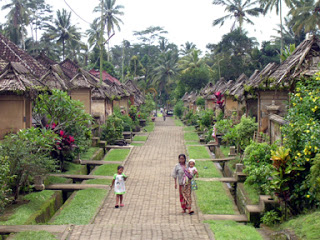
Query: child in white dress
(119, 186)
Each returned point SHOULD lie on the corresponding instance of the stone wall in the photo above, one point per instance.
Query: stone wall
(275, 123)
(98, 109)
(84, 96)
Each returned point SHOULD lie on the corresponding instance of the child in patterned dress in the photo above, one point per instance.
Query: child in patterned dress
(119, 186)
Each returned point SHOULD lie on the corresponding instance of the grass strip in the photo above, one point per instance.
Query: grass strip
(213, 199)
(252, 193)
(34, 235)
(191, 136)
(88, 154)
(137, 144)
(207, 169)
(117, 155)
(106, 170)
(192, 143)
(225, 150)
(25, 211)
(198, 152)
(81, 208)
(178, 123)
(305, 226)
(99, 181)
(231, 230)
(150, 127)
(71, 168)
(189, 129)
(140, 138)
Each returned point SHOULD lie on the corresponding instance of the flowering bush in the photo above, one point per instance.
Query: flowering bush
(302, 137)
(220, 102)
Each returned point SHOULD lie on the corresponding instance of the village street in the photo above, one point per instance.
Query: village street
(152, 209)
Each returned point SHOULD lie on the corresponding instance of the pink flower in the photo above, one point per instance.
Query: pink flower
(71, 139)
(61, 133)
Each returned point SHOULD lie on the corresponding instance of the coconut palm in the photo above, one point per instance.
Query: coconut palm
(18, 18)
(237, 10)
(187, 48)
(305, 16)
(165, 70)
(62, 31)
(94, 34)
(191, 61)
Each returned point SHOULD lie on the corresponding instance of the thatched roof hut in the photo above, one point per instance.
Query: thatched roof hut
(55, 78)
(45, 60)
(237, 90)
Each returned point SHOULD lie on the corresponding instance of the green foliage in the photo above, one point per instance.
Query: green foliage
(179, 109)
(270, 218)
(5, 179)
(67, 114)
(258, 165)
(242, 133)
(191, 118)
(112, 129)
(195, 78)
(314, 177)
(34, 235)
(223, 126)
(89, 154)
(205, 119)
(129, 121)
(28, 153)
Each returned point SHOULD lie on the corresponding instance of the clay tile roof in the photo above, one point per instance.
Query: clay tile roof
(54, 78)
(69, 67)
(44, 60)
(16, 77)
(106, 77)
(12, 53)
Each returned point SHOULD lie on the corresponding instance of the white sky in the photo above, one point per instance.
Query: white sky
(185, 20)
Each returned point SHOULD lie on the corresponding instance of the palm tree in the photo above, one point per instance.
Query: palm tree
(238, 10)
(94, 34)
(305, 16)
(18, 18)
(187, 48)
(268, 5)
(110, 16)
(191, 61)
(62, 31)
(165, 70)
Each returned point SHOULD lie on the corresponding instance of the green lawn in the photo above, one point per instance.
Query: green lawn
(137, 144)
(192, 143)
(150, 127)
(34, 235)
(198, 152)
(207, 169)
(106, 170)
(24, 212)
(231, 230)
(213, 199)
(191, 136)
(88, 154)
(189, 129)
(252, 193)
(99, 181)
(140, 138)
(117, 155)
(178, 123)
(81, 209)
(225, 150)
(306, 227)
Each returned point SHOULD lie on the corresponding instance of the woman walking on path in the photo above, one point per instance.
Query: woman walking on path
(181, 172)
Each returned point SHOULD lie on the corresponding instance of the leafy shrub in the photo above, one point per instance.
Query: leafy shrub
(112, 129)
(314, 177)
(223, 126)
(179, 109)
(128, 122)
(270, 218)
(205, 119)
(28, 153)
(191, 118)
(258, 165)
(200, 102)
(67, 115)
(5, 178)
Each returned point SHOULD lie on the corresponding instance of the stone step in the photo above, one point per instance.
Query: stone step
(222, 179)
(237, 218)
(22, 228)
(74, 187)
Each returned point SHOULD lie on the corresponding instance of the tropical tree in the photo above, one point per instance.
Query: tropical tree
(62, 31)
(191, 61)
(239, 11)
(164, 72)
(94, 34)
(187, 48)
(305, 16)
(268, 6)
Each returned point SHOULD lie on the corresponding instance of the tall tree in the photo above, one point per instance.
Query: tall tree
(239, 11)
(62, 31)
(187, 48)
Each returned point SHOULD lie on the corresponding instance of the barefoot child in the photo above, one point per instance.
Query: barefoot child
(119, 187)
(194, 172)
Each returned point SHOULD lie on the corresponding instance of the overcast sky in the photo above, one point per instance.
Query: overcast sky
(185, 20)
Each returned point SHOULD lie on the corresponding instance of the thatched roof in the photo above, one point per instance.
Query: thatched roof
(12, 53)
(84, 79)
(134, 90)
(261, 78)
(45, 61)
(221, 86)
(15, 77)
(69, 67)
(303, 61)
(54, 78)
(204, 91)
(237, 90)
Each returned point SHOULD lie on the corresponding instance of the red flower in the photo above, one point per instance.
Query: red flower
(61, 133)
(71, 139)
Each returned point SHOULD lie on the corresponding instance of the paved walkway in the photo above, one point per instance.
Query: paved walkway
(152, 209)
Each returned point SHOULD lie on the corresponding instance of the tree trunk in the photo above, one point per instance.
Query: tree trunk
(281, 27)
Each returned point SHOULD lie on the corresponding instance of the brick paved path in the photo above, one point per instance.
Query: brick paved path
(152, 209)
